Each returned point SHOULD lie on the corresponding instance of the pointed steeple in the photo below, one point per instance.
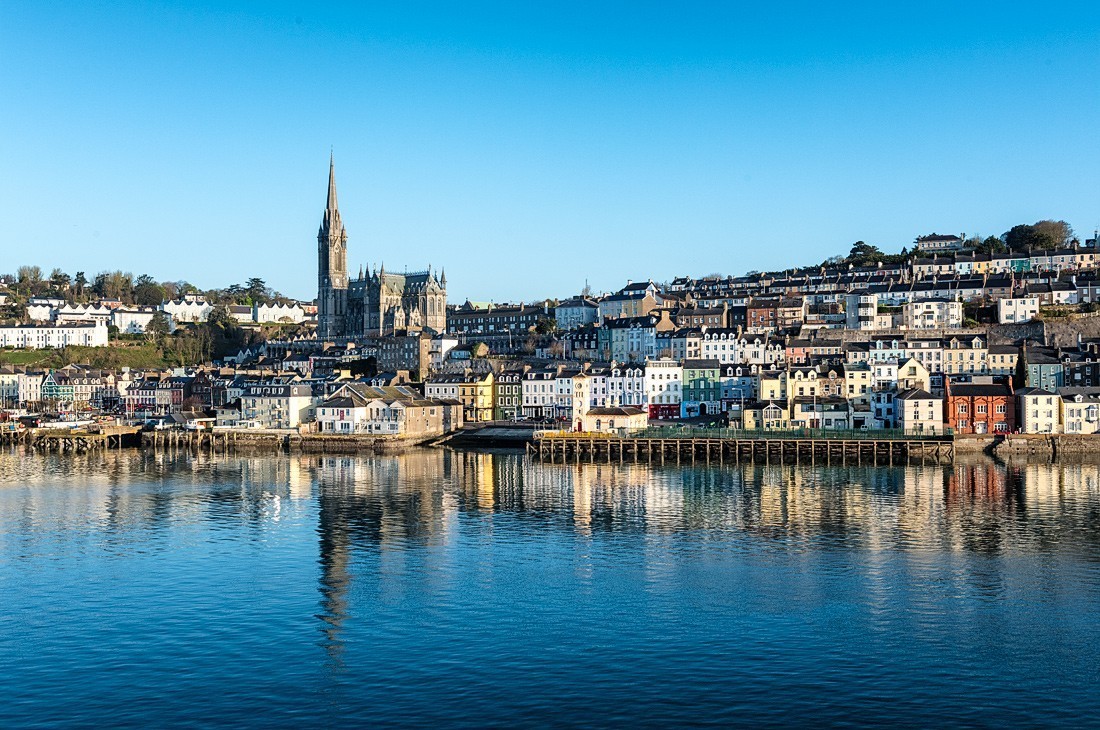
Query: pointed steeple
(332, 229)
(443, 277)
(331, 202)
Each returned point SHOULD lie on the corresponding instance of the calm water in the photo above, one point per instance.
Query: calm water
(443, 588)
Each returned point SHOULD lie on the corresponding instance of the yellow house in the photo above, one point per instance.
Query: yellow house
(803, 383)
(1001, 359)
(913, 375)
(965, 355)
(771, 385)
(476, 394)
(857, 382)
(767, 415)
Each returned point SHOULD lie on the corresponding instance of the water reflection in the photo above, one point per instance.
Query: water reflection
(496, 573)
(388, 502)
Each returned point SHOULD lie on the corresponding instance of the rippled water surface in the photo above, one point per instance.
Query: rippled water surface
(440, 589)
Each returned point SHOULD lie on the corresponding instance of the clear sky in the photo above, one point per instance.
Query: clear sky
(527, 147)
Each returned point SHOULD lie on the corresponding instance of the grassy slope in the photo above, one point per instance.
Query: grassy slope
(113, 356)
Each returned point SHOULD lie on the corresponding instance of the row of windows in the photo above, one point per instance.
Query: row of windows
(981, 408)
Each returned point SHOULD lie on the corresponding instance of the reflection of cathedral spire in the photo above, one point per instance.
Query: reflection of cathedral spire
(335, 578)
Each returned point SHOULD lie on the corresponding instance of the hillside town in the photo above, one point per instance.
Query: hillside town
(959, 335)
(949, 340)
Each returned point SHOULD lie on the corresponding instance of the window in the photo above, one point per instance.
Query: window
(1001, 408)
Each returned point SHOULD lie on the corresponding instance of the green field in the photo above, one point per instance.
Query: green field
(143, 356)
(23, 357)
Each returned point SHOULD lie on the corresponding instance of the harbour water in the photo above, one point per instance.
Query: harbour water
(442, 588)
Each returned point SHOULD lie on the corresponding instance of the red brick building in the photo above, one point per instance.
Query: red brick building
(762, 315)
(981, 407)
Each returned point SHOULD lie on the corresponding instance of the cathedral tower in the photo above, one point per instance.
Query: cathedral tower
(332, 266)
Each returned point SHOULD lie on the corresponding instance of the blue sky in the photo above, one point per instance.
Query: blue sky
(527, 147)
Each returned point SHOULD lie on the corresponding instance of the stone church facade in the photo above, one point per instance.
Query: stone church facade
(376, 304)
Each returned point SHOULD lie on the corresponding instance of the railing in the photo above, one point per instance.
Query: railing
(881, 434)
(688, 432)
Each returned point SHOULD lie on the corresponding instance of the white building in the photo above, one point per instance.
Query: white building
(918, 411)
(577, 312)
(1080, 410)
(573, 391)
(1038, 410)
(615, 419)
(188, 308)
(538, 390)
(718, 344)
(664, 386)
(41, 309)
(928, 314)
(135, 320)
(30, 388)
(598, 378)
(438, 349)
(9, 387)
(292, 313)
(241, 312)
(761, 351)
(626, 386)
(38, 337)
(444, 387)
(83, 313)
(1017, 309)
(861, 310)
(284, 405)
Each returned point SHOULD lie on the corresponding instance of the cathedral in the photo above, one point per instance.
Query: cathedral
(376, 304)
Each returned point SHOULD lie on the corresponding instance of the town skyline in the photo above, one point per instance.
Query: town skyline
(242, 279)
(717, 139)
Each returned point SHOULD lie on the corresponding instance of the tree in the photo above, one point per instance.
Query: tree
(114, 285)
(221, 318)
(990, 245)
(158, 328)
(256, 290)
(147, 291)
(864, 253)
(1042, 235)
(59, 280)
(81, 281)
(28, 279)
(546, 326)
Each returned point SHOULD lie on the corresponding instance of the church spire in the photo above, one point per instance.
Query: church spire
(331, 226)
(331, 203)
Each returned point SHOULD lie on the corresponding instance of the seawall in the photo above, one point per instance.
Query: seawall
(278, 441)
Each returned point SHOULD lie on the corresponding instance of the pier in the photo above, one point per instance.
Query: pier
(755, 448)
(81, 441)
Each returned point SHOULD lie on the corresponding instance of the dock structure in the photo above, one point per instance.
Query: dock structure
(13, 435)
(210, 441)
(756, 448)
(81, 441)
